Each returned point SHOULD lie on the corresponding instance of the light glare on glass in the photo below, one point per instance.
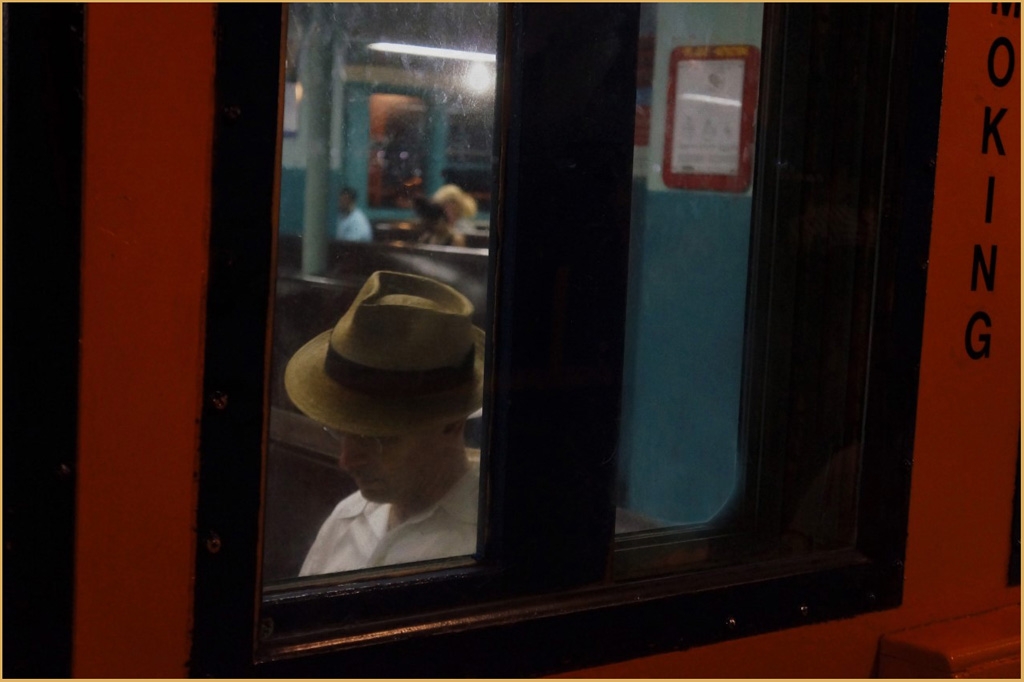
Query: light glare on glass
(479, 78)
(712, 100)
(424, 51)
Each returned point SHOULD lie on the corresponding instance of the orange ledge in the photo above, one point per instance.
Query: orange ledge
(980, 645)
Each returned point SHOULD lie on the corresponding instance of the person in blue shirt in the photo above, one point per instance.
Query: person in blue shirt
(352, 224)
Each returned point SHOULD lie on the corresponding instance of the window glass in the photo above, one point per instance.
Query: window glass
(750, 296)
(679, 461)
(398, 150)
(468, 157)
(381, 288)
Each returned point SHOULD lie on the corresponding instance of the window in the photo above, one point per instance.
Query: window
(823, 291)
(681, 463)
(714, 367)
(388, 149)
(388, 146)
(394, 124)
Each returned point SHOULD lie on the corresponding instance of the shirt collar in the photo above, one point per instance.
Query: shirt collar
(463, 499)
(460, 502)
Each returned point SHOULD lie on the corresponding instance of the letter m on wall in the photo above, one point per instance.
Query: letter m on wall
(1005, 8)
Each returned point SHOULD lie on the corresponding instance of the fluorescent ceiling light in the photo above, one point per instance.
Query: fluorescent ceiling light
(713, 100)
(422, 51)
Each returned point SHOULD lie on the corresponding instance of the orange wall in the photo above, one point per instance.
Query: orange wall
(146, 212)
(965, 449)
(148, 136)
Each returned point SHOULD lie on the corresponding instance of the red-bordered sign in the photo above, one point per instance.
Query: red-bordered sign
(709, 131)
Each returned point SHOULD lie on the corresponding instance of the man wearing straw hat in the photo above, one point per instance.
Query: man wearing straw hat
(394, 382)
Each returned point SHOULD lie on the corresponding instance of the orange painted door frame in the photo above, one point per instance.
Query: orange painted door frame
(969, 395)
(146, 212)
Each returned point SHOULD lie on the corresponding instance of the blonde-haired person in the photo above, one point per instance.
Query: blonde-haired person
(459, 208)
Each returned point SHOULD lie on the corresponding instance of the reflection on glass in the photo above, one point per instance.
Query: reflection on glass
(376, 373)
(398, 151)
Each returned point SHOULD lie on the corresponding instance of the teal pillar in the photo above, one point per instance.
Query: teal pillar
(437, 134)
(315, 76)
(356, 136)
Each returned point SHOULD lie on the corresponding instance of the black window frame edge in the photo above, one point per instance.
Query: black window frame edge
(567, 620)
(244, 179)
(43, 82)
(1013, 572)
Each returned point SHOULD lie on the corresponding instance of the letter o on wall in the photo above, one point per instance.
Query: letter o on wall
(1001, 41)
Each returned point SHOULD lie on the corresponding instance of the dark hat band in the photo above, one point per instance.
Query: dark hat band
(397, 383)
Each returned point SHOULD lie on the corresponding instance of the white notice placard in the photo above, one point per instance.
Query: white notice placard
(706, 135)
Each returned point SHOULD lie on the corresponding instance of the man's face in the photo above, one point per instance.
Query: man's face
(345, 203)
(391, 469)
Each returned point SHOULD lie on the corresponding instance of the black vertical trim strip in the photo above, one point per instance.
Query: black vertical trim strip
(42, 184)
(1013, 575)
(561, 288)
(915, 94)
(241, 243)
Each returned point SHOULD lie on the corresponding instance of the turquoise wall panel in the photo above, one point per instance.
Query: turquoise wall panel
(687, 302)
(684, 351)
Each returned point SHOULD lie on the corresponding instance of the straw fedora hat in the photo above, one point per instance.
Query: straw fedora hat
(403, 357)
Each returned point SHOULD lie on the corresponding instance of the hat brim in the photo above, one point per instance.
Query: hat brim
(328, 402)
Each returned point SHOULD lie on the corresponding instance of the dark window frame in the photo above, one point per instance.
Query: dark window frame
(555, 361)
(43, 81)
(1013, 572)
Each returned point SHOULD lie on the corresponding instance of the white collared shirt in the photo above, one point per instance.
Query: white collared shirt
(356, 533)
(353, 227)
